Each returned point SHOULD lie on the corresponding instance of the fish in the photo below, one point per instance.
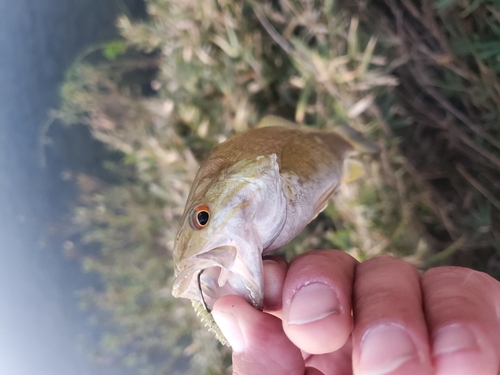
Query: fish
(253, 194)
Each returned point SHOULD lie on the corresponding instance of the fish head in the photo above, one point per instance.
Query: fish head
(218, 248)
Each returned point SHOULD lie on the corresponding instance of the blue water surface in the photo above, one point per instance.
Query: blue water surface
(42, 329)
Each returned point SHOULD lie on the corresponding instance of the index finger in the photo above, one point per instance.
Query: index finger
(317, 300)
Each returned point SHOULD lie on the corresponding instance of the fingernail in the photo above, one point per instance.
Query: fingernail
(454, 338)
(384, 349)
(228, 324)
(273, 285)
(311, 303)
(269, 262)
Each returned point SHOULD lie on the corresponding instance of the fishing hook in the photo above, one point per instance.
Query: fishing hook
(201, 292)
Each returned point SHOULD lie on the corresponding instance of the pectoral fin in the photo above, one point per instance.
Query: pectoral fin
(352, 170)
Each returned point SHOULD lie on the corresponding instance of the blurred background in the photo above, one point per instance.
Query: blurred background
(42, 328)
(107, 108)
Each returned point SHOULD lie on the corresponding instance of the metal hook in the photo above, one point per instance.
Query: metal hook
(201, 292)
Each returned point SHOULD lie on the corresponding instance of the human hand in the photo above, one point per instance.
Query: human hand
(444, 322)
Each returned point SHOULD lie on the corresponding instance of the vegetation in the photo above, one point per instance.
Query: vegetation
(420, 78)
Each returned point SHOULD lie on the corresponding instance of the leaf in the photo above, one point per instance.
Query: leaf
(441, 4)
(461, 47)
(114, 49)
(471, 8)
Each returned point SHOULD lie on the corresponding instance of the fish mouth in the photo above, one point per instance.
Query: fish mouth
(211, 288)
(216, 273)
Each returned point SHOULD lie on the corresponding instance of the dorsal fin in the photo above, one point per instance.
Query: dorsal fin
(352, 170)
(356, 139)
(272, 120)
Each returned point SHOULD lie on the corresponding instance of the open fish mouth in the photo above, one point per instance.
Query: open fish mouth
(215, 282)
(207, 277)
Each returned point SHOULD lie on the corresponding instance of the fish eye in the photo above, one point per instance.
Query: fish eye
(200, 217)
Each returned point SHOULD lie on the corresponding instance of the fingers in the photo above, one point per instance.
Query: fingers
(312, 371)
(446, 322)
(317, 300)
(463, 320)
(338, 362)
(390, 333)
(259, 344)
(274, 277)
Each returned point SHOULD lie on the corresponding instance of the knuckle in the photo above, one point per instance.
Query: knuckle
(386, 263)
(459, 277)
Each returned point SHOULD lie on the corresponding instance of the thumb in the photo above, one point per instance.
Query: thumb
(259, 344)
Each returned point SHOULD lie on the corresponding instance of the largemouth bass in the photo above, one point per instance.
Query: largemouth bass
(253, 194)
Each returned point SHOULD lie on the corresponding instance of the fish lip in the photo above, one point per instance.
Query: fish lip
(183, 279)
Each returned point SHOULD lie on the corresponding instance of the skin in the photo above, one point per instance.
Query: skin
(444, 322)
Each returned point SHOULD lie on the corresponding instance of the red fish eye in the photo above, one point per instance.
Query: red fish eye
(201, 217)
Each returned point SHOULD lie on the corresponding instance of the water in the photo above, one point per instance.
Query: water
(42, 330)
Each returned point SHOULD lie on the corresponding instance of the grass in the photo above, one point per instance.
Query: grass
(450, 92)
(420, 81)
